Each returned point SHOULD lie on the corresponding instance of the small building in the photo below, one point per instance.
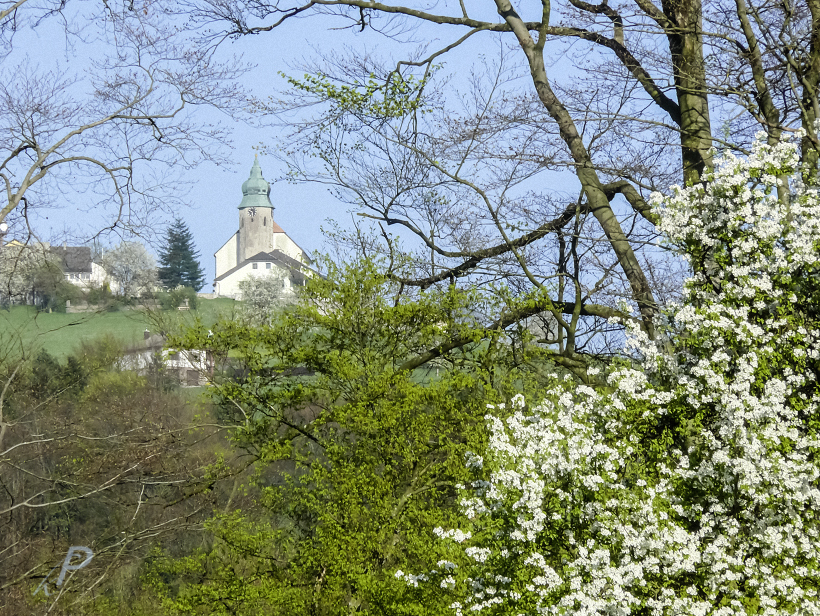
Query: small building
(22, 264)
(260, 246)
(79, 268)
(189, 368)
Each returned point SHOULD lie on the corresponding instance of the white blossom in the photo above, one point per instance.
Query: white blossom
(728, 519)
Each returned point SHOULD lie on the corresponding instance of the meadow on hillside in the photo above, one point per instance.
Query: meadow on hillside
(25, 330)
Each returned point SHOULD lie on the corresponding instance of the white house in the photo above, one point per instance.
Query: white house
(190, 368)
(19, 264)
(260, 245)
(78, 266)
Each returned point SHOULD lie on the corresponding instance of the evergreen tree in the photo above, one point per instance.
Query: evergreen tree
(179, 259)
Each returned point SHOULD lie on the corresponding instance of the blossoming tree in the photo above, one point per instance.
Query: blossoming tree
(688, 483)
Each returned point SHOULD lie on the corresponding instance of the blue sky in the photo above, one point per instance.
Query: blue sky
(215, 192)
(211, 214)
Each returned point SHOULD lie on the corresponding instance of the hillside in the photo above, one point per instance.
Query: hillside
(23, 329)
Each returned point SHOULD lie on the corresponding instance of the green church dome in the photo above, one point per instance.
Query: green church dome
(255, 190)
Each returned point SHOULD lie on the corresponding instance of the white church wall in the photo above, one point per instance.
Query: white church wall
(229, 286)
(282, 242)
(226, 256)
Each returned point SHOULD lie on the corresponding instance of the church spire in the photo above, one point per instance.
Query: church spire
(255, 190)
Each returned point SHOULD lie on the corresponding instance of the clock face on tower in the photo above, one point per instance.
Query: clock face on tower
(252, 212)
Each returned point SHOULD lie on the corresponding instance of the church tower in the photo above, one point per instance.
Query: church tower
(256, 226)
(260, 246)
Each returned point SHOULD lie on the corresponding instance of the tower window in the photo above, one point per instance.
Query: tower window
(265, 221)
(255, 266)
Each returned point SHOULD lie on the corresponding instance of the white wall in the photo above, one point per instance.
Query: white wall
(282, 242)
(96, 278)
(226, 256)
(229, 286)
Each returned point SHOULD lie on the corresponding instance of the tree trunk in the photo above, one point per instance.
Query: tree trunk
(585, 169)
(810, 78)
(684, 34)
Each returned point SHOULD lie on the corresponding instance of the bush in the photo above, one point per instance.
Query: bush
(52, 296)
(100, 296)
(176, 298)
(101, 353)
(114, 385)
(49, 378)
(66, 292)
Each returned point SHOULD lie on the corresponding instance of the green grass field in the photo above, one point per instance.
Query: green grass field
(23, 330)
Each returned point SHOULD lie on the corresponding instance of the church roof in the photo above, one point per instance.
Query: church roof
(255, 190)
(297, 268)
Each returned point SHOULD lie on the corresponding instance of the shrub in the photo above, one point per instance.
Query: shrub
(176, 298)
(101, 353)
(107, 385)
(100, 296)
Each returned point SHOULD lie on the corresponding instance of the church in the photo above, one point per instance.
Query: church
(260, 246)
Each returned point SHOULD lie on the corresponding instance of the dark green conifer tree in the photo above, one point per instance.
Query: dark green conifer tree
(179, 260)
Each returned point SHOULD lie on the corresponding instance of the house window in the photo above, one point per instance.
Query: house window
(255, 265)
(267, 265)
